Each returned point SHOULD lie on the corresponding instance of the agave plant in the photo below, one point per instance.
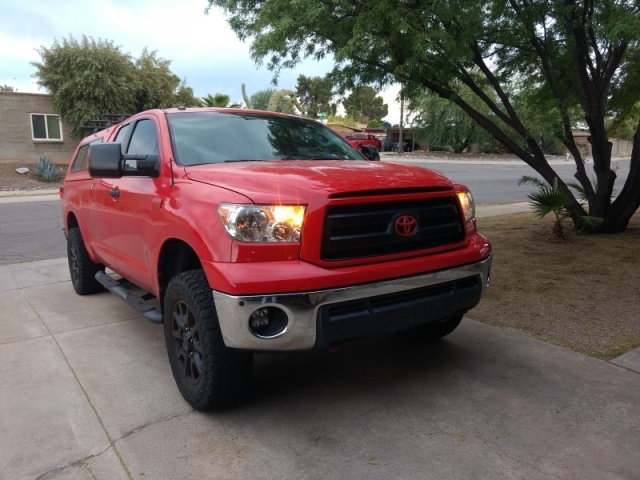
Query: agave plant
(46, 170)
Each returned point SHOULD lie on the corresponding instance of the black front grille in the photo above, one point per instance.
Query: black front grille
(366, 230)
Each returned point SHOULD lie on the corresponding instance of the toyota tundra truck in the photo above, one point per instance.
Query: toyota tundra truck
(248, 231)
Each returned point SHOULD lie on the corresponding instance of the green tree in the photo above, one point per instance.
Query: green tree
(364, 104)
(185, 97)
(218, 100)
(260, 99)
(315, 95)
(582, 52)
(155, 83)
(6, 88)
(87, 78)
(443, 124)
(625, 101)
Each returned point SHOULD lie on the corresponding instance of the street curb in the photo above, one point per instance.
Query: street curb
(28, 193)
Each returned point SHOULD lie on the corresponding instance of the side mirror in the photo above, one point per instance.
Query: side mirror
(107, 161)
(370, 152)
(104, 160)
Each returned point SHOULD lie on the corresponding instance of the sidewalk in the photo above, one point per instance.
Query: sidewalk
(15, 196)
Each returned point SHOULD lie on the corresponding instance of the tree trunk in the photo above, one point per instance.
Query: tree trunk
(628, 201)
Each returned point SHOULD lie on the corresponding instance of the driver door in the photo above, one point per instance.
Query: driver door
(135, 207)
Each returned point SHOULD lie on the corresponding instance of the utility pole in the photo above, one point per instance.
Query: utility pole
(400, 138)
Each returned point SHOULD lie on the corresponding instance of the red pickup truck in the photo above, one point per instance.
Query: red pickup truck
(358, 139)
(248, 231)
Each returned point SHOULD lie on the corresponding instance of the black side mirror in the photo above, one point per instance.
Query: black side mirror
(107, 161)
(104, 160)
(370, 152)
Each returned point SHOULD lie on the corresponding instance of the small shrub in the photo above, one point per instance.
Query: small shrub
(46, 171)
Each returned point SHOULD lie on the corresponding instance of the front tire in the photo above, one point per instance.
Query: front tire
(81, 268)
(208, 374)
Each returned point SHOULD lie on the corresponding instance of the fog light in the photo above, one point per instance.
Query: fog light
(268, 322)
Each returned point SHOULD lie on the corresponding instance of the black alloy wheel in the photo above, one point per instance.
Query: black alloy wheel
(208, 374)
(188, 348)
(81, 268)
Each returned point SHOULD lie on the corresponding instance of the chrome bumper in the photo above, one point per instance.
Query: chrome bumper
(302, 309)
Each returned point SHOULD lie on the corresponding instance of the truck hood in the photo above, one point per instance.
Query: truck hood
(295, 181)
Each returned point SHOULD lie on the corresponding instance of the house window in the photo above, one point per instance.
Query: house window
(45, 127)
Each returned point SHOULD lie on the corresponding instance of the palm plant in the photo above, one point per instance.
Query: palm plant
(553, 199)
(218, 100)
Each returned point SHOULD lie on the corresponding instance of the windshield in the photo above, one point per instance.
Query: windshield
(212, 137)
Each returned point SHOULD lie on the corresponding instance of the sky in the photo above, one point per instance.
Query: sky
(202, 48)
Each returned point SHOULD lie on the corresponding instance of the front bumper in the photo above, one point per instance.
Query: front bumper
(332, 316)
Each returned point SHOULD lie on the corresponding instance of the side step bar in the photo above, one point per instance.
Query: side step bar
(150, 312)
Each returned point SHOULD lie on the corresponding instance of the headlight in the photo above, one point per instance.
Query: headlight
(263, 223)
(468, 205)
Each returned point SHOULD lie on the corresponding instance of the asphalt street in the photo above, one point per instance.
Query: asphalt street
(497, 181)
(31, 227)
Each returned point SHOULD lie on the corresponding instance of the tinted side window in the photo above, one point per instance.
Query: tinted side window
(80, 161)
(144, 139)
(122, 137)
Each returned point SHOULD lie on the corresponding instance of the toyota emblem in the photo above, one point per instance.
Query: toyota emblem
(406, 225)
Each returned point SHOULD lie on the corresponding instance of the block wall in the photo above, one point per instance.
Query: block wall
(16, 143)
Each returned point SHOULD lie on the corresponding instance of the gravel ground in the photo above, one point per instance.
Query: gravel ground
(10, 180)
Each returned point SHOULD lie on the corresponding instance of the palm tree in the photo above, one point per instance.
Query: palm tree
(219, 100)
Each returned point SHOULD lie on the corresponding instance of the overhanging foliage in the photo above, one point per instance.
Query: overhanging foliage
(575, 53)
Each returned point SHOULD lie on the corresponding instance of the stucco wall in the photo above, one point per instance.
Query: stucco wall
(16, 143)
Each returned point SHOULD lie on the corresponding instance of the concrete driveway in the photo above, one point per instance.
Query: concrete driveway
(87, 393)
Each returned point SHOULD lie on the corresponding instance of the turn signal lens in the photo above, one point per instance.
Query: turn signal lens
(263, 223)
(467, 204)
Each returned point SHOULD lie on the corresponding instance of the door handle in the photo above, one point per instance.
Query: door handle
(115, 193)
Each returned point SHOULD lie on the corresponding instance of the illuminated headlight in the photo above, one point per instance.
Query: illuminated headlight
(467, 204)
(263, 223)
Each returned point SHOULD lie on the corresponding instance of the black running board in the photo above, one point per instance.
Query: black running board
(150, 312)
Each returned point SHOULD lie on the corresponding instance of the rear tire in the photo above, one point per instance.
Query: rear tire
(81, 268)
(208, 374)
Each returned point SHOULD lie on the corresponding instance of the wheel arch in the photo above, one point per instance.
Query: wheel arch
(71, 221)
(176, 256)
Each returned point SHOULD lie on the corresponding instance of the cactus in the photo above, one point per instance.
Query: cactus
(275, 99)
(245, 97)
